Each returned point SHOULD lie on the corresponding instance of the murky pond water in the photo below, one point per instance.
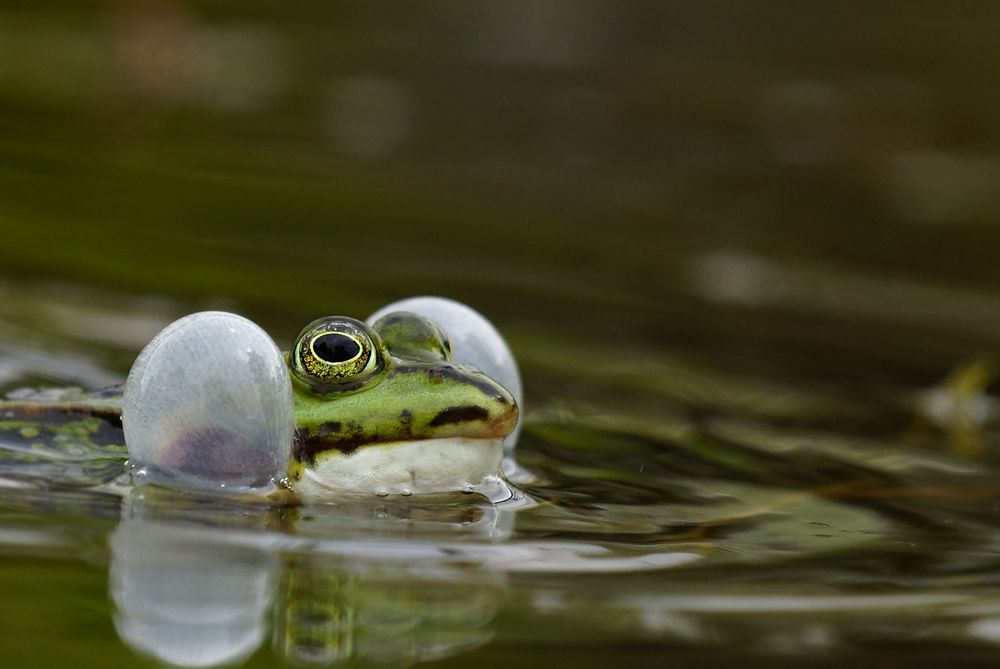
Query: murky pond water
(746, 259)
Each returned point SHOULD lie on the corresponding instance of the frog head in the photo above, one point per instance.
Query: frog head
(385, 409)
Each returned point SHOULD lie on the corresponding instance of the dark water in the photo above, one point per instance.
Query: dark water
(745, 256)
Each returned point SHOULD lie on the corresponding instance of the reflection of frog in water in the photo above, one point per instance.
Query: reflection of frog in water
(203, 595)
(331, 610)
(422, 398)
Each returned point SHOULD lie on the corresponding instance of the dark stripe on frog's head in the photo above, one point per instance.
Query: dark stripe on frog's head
(453, 415)
(410, 402)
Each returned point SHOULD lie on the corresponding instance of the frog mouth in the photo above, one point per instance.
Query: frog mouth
(477, 423)
(471, 423)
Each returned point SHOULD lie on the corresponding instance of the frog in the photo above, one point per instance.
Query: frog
(387, 408)
(382, 408)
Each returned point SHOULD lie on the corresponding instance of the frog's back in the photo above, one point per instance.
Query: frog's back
(62, 437)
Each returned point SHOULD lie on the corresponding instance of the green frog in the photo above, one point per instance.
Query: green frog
(382, 408)
(387, 409)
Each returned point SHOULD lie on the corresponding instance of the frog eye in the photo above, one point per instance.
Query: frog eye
(208, 403)
(336, 353)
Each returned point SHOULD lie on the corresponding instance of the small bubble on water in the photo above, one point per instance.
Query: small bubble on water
(382, 492)
(468, 489)
(140, 474)
(406, 492)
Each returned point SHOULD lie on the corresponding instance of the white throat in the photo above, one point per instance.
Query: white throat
(408, 468)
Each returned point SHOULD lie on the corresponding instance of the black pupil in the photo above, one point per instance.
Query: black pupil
(335, 347)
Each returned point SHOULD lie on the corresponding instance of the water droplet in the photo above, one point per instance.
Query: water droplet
(468, 489)
(406, 492)
(381, 492)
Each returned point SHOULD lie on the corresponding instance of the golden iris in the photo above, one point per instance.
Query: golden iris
(335, 351)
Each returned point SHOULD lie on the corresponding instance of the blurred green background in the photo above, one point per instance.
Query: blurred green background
(627, 167)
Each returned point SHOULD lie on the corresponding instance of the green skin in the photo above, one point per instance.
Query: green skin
(418, 394)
